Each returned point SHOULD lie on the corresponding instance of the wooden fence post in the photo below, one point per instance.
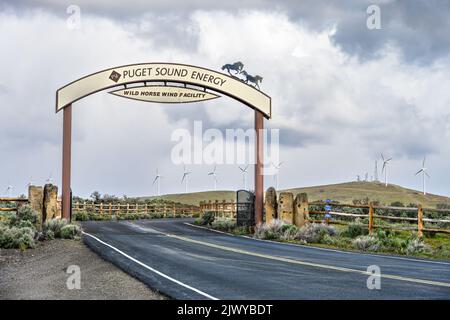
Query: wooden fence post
(371, 218)
(419, 221)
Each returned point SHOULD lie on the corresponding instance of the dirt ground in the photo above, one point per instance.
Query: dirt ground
(40, 273)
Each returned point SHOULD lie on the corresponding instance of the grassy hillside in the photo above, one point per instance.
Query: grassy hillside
(375, 191)
(194, 198)
(342, 192)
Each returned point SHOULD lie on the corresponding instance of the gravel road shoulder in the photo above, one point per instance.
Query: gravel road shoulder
(40, 273)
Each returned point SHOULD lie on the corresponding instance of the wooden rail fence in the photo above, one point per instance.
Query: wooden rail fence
(222, 209)
(371, 216)
(17, 202)
(227, 209)
(12, 204)
(127, 208)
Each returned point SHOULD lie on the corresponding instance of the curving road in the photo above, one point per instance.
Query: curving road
(188, 262)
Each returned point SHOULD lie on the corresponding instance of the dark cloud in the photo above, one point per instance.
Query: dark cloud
(419, 27)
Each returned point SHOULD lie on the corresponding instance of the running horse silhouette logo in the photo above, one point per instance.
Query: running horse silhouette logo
(237, 67)
(253, 79)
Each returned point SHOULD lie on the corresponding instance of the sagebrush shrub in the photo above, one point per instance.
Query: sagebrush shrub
(224, 224)
(315, 233)
(415, 246)
(70, 231)
(270, 231)
(17, 238)
(355, 229)
(55, 225)
(24, 213)
(207, 218)
(366, 243)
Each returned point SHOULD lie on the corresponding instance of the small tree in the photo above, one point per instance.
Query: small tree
(95, 196)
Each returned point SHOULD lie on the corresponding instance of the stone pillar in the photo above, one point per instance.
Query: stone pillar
(50, 207)
(36, 201)
(286, 207)
(301, 209)
(270, 204)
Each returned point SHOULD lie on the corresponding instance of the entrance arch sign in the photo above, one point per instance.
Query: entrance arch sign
(164, 72)
(182, 83)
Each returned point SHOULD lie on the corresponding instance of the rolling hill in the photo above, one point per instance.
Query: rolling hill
(342, 192)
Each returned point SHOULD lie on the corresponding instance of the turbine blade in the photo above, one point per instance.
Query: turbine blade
(418, 172)
(427, 174)
(423, 162)
(156, 179)
(382, 157)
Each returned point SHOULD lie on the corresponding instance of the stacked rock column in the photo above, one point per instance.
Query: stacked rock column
(270, 205)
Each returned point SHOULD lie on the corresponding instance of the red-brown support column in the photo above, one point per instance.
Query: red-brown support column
(259, 178)
(66, 158)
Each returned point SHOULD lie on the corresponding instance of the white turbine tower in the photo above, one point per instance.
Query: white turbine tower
(424, 172)
(385, 163)
(213, 174)
(277, 167)
(185, 179)
(244, 175)
(9, 190)
(158, 182)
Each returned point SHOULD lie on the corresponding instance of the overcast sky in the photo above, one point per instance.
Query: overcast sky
(341, 93)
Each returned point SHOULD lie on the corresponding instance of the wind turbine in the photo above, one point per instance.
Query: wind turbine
(185, 179)
(157, 181)
(9, 190)
(385, 163)
(276, 174)
(213, 174)
(49, 179)
(424, 172)
(244, 175)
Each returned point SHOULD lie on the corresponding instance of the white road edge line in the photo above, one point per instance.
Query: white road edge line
(319, 248)
(310, 264)
(151, 269)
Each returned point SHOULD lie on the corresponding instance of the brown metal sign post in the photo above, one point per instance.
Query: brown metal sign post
(259, 174)
(143, 73)
(66, 159)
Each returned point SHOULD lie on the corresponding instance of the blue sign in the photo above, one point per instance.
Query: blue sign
(327, 208)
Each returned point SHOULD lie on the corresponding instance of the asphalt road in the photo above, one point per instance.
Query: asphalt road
(187, 262)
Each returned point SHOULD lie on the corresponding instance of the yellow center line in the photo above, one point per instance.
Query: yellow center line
(309, 264)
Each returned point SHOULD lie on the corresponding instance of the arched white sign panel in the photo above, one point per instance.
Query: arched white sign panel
(164, 72)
